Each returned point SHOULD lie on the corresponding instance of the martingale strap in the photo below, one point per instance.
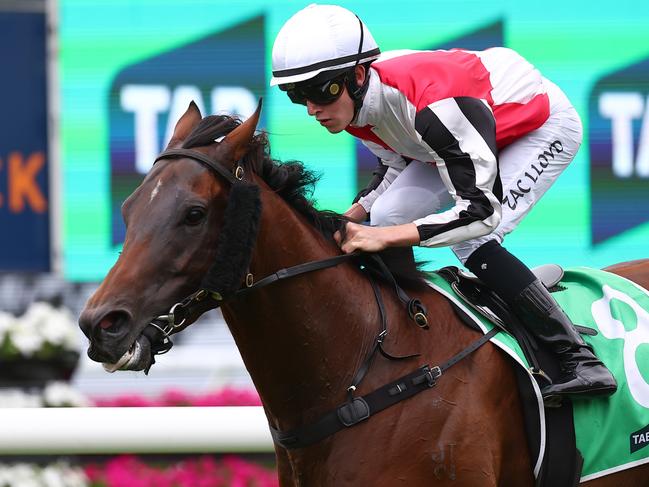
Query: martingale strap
(358, 409)
(416, 310)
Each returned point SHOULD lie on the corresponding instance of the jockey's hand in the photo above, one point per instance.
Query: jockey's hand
(375, 239)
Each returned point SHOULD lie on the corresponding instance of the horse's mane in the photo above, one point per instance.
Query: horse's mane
(295, 184)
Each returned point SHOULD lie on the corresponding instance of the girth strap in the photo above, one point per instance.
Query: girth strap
(358, 409)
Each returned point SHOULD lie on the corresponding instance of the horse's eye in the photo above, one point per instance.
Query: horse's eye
(194, 216)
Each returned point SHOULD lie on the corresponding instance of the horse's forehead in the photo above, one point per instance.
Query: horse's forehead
(175, 178)
(155, 190)
(174, 173)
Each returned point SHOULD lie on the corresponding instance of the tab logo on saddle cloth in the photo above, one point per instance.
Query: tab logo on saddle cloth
(222, 72)
(639, 439)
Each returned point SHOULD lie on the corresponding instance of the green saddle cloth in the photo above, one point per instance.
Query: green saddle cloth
(612, 433)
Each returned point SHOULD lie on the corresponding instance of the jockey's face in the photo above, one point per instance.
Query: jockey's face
(336, 116)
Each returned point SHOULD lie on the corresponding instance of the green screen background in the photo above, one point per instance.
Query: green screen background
(572, 43)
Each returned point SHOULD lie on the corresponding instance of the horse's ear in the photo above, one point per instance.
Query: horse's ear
(185, 125)
(237, 143)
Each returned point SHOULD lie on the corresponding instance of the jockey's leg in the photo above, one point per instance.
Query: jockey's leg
(528, 167)
(581, 371)
(416, 192)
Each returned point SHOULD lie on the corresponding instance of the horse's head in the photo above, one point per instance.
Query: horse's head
(172, 221)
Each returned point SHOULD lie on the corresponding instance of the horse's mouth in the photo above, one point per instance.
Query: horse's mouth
(137, 357)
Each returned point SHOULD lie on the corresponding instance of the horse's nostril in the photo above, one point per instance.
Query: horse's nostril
(113, 321)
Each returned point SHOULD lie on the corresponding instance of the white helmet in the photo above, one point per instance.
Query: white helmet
(320, 38)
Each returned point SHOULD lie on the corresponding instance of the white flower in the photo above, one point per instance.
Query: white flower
(51, 476)
(37, 314)
(5, 475)
(57, 394)
(6, 322)
(71, 476)
(17, 398)
(26, 338)
(59, 329)
(24, 475)
(42, 324)
(58, 474)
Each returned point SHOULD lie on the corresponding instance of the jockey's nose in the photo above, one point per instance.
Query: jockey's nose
(311, 108)
(102, 323)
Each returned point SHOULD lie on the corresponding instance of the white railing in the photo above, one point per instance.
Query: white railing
(34, 431)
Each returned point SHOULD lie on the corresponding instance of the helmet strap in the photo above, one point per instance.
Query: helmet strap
(356, 92)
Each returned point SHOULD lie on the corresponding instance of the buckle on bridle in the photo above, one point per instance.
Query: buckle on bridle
(421, 320)
(417, 312)
(382, 336)
(432, 375)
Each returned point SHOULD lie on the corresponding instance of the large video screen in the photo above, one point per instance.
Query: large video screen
(128, 69)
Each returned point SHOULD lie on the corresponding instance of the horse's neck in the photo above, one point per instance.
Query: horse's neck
(299, 337)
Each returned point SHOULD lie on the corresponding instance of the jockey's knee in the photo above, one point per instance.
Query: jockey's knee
(404, 205)
(463, 250)
(387, 211)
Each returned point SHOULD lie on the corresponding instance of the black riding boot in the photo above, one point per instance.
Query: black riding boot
(581, 371)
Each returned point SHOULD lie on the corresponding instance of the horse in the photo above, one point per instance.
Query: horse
(303, 339)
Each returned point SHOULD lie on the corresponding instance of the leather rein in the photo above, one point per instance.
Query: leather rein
(355, 409)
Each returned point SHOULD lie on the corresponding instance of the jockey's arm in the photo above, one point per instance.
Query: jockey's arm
(389, 167)
(377, 177)
(374, 239)
(461, 135)
(356, 212)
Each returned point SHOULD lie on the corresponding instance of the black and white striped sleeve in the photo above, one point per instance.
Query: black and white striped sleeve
(461, 133)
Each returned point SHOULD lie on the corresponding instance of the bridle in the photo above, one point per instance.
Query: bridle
(355, 409)
(183, 313)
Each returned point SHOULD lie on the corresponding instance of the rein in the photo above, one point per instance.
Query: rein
(355, 409)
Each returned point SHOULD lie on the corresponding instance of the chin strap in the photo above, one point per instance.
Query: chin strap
(357, 93)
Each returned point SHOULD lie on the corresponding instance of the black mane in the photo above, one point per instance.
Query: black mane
(295, 184)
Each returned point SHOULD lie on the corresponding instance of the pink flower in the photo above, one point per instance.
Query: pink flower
(203, 471)
(124, 401)
(173, 397)
(225, 397)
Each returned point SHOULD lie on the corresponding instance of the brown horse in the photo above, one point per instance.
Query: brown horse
(302, 339)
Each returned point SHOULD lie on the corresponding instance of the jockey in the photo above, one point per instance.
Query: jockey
(467, 142)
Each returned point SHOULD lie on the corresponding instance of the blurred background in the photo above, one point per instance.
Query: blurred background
(90, 90)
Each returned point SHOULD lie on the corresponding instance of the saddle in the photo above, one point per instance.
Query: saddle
(486, 302)
(563, 462)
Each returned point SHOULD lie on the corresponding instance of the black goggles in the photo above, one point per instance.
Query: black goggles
(320, 94)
